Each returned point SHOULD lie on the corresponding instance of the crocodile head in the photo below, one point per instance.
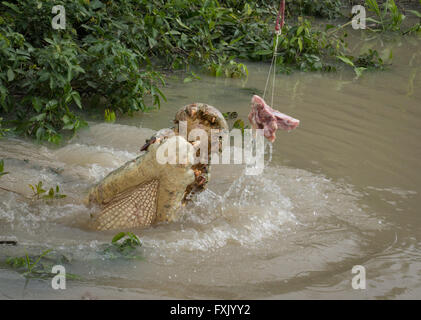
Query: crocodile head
(145, 191)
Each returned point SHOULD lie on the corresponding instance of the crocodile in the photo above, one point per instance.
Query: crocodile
(146, 191)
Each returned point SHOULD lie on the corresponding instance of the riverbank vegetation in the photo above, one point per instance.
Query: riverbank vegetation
(113, 55)
(387, 16)
(123, 246)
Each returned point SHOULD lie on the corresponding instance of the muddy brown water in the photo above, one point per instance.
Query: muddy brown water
(341, 190)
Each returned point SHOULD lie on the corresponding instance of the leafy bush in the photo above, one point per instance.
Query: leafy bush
(110, 52)
(293, 8)
(226, 66)
(416, 28)
(322, 8)
(305, 48)
(39, 266)
(388, 15)
(30, 267)
(308, 49)
(38, 192)
(45, 73)
(370, 60)
(123, 245)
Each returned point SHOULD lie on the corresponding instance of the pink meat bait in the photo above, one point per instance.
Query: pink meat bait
(262, 116)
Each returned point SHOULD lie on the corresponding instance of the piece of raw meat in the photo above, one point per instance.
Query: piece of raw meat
(262, 116)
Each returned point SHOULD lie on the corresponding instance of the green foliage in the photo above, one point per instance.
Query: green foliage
(38, 266)
(230, 115)
(47, 75)
(192, 77)
(387, 15)
(239, 124)
(29, 266)
(307, 49)
(2, 130)
(109, 116)
(40, 193)
(109, 53)
(366, 61)
(416, 28)
(233, 122)
(124, 240)
(348, 61)
(322, 8)
(2, 172)
(123, 245)
(293, 8)
(371, 60)
(226, 66)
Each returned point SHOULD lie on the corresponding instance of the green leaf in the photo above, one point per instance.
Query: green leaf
(236, 40)
(152, 42)
(230, 115)
(65, 119)
(418, 14)
(329, 26)
(239, 124)
(12, 6)
(300, 44)
(247, 9)
(263, 52)
(359, 71)
(372, 20)
(181, 23)
(69, 126)
(37, 104)
(109, 115)
(218, 71)
(92, 84)
(10, 75)
(2, 173)
(118, 236)
(76, 99)
(96, 4)
(39, 133)
(346, 60)
(39, 117)
(174, 32)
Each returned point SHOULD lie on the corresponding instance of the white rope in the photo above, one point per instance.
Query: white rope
(274, 69)
(272, 65)
(267, 79)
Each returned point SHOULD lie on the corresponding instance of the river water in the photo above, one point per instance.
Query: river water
(341, 190)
